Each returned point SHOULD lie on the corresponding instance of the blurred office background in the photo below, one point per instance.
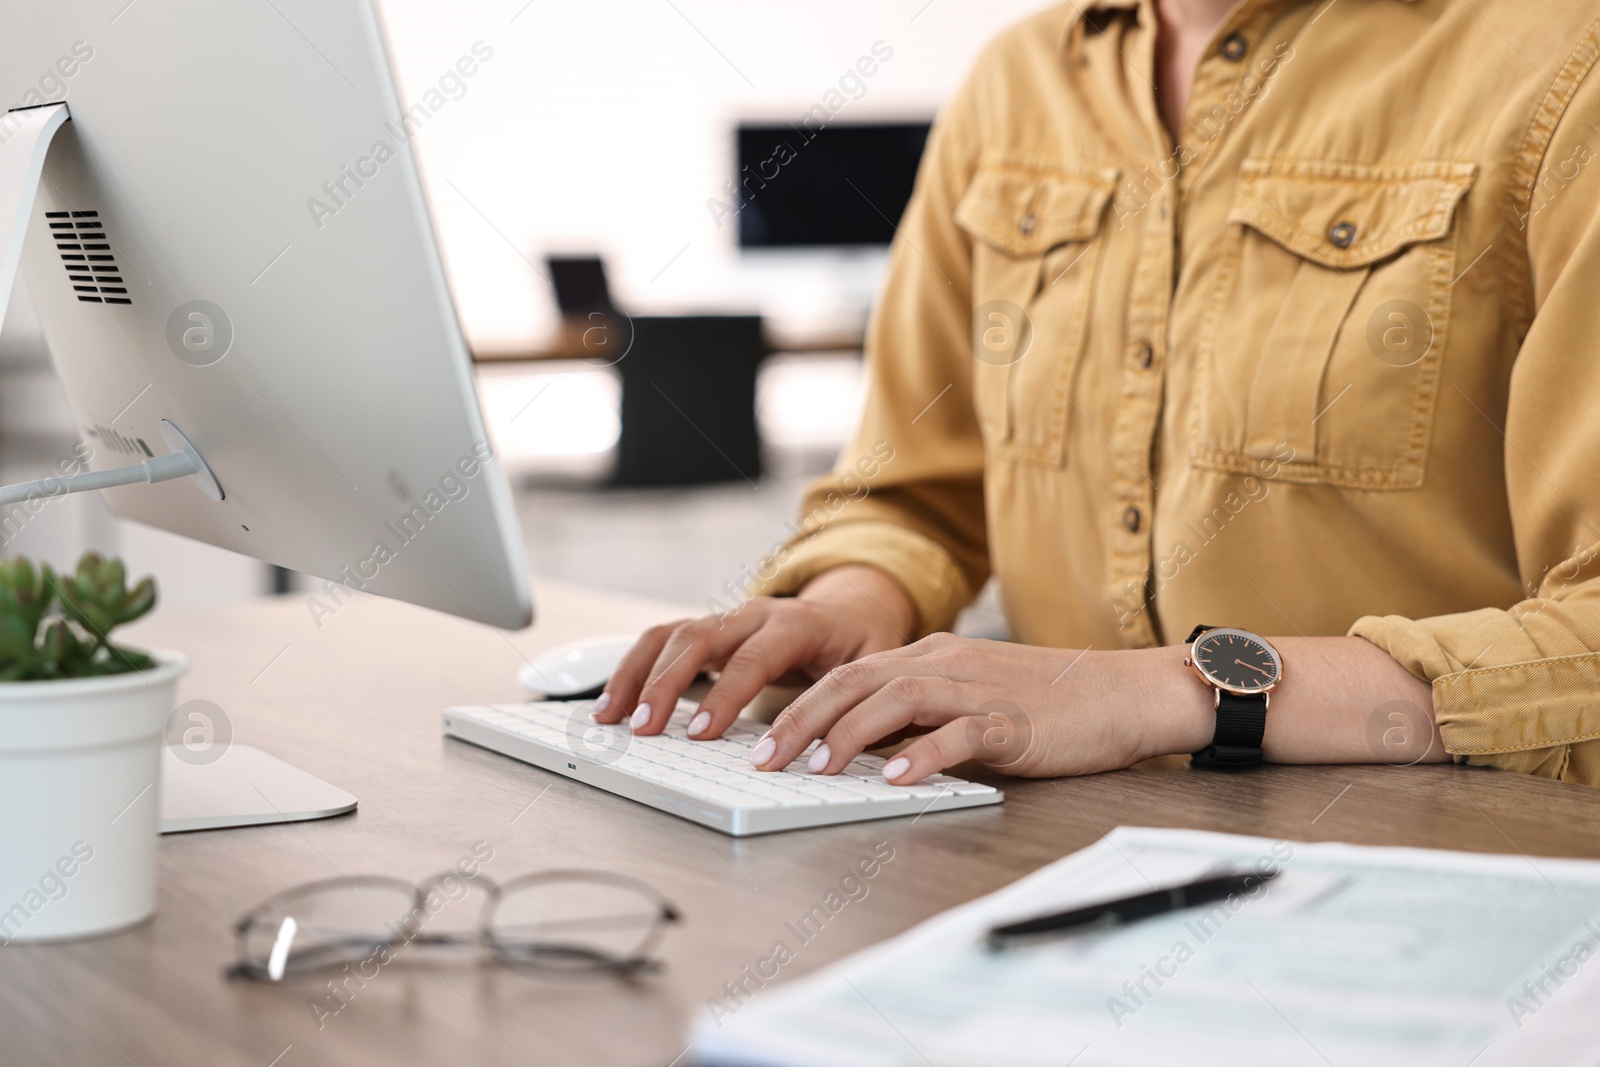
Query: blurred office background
(610, 131)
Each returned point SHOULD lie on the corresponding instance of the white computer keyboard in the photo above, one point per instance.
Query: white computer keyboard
(708, 782)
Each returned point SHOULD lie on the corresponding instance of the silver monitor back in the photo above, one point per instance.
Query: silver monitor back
(285, 304)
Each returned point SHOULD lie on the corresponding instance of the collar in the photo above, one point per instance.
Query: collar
(1077, 12)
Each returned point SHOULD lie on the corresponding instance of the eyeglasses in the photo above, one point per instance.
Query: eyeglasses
(553, 920)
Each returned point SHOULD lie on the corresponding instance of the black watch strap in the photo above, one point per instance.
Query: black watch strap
(1241, 724)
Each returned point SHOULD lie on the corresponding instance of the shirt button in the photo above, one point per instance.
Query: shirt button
(1234, 46)
(1027, 222)
(1130, 519)
(1342, 234)
(1147, 356)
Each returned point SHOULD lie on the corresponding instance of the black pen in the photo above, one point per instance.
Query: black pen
(1131, 909)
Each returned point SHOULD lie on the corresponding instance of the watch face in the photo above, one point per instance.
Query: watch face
(1237, 661)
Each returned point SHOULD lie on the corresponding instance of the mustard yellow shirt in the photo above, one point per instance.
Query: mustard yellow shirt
(1329, 365)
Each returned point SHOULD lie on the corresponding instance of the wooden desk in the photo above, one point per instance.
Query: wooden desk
(573, 341)
(358, 701)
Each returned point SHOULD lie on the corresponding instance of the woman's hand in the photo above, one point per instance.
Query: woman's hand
(1035, 712)
(1040, 712)
(841, 615)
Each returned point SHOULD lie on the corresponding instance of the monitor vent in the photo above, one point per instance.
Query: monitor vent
(128, 446)
(86, 253)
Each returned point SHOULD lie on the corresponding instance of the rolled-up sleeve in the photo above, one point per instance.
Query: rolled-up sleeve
(1518, 687)
(906, 496)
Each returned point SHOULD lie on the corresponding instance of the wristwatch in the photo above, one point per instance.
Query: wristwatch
(1241, 668)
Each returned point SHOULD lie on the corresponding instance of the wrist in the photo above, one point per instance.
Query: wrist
(874, 603)
(1177, 711)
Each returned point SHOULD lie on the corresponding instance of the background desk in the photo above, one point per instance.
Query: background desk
(357, 701)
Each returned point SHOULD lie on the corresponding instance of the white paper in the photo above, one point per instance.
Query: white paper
(1351, 956)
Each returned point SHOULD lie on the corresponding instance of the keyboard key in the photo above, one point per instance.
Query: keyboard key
(790, 799)
(925, 791)
(873, 790)
(737, 798)
(828, 794)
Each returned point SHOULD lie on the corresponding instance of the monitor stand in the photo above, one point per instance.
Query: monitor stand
(27, 134)
(245, 787)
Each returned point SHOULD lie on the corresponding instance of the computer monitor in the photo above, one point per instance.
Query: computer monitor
(229, 238)
(580, 284)
(841, 184)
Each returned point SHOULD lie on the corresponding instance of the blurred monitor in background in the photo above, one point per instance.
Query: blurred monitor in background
(591, 325)
(838, 185)
(580, 284)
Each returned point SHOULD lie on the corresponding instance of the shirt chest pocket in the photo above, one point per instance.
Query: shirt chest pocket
(1323, 339)
(1035, 250)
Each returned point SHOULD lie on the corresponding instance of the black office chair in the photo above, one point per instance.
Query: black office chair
(689, 401)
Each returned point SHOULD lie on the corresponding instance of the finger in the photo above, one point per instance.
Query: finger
(686, 653)
(1000, 735)
(781, 645)
(955, 742)
(902, 701)
(617, 699)
(819, 707)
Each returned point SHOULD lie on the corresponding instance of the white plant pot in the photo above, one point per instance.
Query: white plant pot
(80, 790)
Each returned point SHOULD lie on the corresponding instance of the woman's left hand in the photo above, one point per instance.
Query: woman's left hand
(1034, 712)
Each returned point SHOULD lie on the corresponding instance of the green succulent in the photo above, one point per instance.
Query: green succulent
(74, 640)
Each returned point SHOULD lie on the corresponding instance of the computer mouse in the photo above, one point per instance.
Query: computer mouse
(578, 670)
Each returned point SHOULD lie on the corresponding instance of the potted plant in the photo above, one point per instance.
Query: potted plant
(81, 727)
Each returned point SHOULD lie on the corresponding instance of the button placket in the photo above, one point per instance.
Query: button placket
(1220, 72)
(1133, 432)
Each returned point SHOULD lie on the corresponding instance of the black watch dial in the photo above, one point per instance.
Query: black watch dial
(1237, 661)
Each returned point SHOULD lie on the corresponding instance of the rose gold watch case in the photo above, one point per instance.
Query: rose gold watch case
(1217, 685)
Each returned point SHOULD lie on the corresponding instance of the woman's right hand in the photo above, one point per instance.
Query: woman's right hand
(841, 615)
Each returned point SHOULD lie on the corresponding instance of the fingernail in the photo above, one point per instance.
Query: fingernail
(641, 717)
(763, 751)
(896, 767)
(819, 758)
(602, 703)
(698, 724)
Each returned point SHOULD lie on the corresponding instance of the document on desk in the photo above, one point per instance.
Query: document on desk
(1350, 956)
